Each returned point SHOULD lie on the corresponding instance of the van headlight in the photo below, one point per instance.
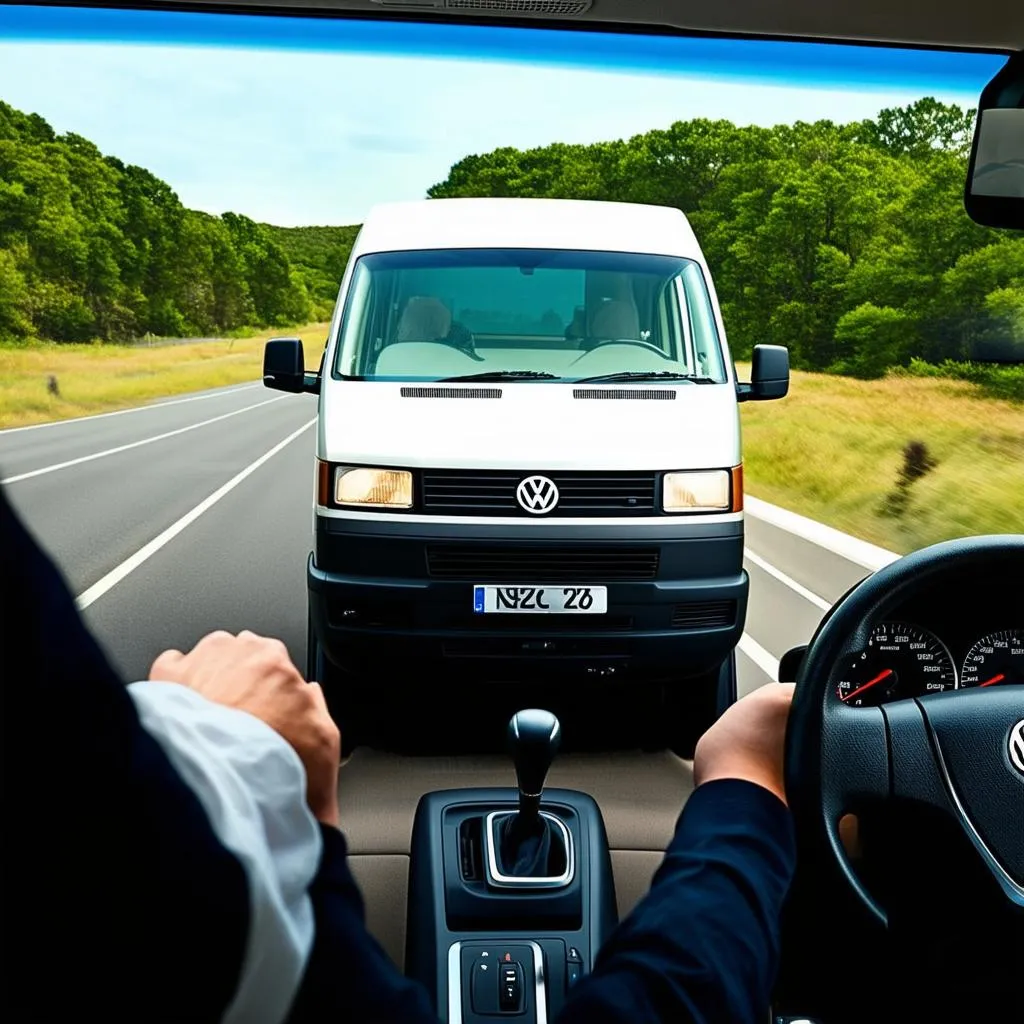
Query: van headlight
(697, 491)
(374, 488)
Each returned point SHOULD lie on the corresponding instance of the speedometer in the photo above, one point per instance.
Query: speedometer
(900, 661)
(994, 659)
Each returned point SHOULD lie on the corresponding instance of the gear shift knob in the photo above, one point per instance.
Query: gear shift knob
(534, 737)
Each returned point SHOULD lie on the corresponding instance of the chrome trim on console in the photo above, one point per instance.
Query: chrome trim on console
(455, 979)
(497, 879)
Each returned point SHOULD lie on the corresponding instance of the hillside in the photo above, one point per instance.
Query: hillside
(889, 460)
(92, 248)
(319, 254)
(846, 243)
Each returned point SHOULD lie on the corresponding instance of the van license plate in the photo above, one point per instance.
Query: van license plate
(549, 600)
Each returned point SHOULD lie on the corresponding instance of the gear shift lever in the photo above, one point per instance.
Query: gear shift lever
(528, 845)
(534, 737)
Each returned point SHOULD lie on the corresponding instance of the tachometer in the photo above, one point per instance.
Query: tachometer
(995, 659)
(900, 661)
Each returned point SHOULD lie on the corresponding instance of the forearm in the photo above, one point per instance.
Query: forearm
(349, 976)
(703, 945)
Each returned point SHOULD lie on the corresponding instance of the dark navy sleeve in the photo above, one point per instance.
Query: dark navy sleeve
(703, 945)
(349, 977)
(119, 902)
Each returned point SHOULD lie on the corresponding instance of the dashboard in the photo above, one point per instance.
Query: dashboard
(964, 633)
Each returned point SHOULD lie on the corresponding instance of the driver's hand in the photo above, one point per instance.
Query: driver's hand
(255, 674)
(748, 741)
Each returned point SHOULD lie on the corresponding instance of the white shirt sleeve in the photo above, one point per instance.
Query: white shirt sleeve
(252, 785)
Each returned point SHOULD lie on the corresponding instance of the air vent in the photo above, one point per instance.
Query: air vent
(704, 615)
(451, 392)
(550, 8)
(649, 394)
(546, 8)
(471, 849)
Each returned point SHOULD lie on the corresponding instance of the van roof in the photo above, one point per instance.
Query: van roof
(527, 224)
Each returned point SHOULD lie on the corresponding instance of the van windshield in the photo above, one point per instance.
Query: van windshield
(432, 315)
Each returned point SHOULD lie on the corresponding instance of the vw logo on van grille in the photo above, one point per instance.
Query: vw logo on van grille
(1016, 745)
(537, 494)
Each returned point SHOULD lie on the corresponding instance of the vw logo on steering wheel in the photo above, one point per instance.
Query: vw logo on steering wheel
(1016, 746)
(537, 495)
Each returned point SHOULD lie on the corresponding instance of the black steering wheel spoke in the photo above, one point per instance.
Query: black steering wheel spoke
(854, 744)
(914, 770)
(976, 738)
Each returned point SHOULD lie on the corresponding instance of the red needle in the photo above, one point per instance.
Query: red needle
(869, 684)
(995, 679)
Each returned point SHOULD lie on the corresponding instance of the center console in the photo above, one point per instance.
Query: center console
(510, 891)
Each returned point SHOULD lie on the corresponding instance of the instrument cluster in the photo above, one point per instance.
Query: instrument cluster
(936, 643)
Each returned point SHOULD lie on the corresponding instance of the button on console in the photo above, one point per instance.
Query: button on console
(510, 989)
(484, 985)
(573, 966)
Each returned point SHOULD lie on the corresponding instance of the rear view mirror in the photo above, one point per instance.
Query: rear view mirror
(769, 375)
(284, 367)
(994, 193)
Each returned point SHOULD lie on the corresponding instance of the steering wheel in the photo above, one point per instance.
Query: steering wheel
(961, 752)
(626, 341)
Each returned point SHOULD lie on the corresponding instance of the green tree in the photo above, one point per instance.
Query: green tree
(870, 339)
(920, 128)
(94, 248)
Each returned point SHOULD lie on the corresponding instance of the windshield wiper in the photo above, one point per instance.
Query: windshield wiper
(627, 375)
(502, 375)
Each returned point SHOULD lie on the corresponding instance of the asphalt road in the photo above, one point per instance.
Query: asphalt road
(195, 513)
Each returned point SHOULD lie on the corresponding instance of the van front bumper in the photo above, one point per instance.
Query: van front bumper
(384, 595)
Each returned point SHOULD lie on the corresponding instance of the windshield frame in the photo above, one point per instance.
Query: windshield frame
(686, 266)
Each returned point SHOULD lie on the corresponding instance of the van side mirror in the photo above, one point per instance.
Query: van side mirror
(284, 367)
(994, 193)
(769, 375)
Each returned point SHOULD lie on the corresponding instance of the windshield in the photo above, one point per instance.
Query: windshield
(432, 315)
(177, 188)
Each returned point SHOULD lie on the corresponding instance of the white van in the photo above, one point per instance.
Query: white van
(529, 446)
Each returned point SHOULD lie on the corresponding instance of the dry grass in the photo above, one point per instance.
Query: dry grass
(100, 378)
(832, 450)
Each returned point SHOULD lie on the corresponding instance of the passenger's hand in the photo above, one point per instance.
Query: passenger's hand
(748, 741)
(256, 675)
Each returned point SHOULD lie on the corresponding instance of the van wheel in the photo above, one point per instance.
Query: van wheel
(338, 688)
(727, 684)
(314, 654)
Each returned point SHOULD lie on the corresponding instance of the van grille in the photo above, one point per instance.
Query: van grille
(486, 493)
(510, 564)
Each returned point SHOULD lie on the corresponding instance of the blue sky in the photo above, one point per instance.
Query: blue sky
(299, 121)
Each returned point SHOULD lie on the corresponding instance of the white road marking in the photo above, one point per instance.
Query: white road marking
(797, 588)
(759, 656)
(130, 564)
(219, 393)
(860, 552)
(135, 444)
